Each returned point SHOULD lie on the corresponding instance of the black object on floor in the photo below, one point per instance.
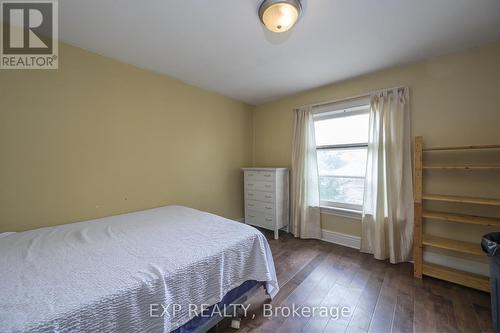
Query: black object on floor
(490, 243)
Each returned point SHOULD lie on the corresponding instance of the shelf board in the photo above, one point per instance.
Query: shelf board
(460, 199)
(470, 219)
(452, 275)
(452, 245)
(462, 147)
(462, 167)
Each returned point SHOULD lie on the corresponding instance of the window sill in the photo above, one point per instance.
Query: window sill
(353, 214)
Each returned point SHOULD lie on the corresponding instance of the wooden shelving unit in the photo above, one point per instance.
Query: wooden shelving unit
(423, 240)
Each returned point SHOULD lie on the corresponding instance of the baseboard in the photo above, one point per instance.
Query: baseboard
(463, 264)
(341, 239)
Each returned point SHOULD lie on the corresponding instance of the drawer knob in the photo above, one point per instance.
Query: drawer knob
(269, 207)
(268, 219)
(267, 175)
(268, 197)
(251, 216)
(251, 205)
(250, 194)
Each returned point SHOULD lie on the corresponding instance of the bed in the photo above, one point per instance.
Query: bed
(113, 274)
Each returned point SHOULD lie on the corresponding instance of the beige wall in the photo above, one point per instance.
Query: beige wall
(455, 100)
(98, 137)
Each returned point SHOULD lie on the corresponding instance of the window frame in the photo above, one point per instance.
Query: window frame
(341, 110)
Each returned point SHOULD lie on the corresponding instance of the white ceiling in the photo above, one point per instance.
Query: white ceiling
(220, 45)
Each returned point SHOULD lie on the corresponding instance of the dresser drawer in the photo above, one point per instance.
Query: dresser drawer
(265, 176)
(259, 186)
(263, 207)
(259, 219)
(259, 196)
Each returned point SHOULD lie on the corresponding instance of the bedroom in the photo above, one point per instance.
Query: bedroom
(127, 161)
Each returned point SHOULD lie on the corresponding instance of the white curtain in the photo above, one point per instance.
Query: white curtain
(387, 225)
(305, 211)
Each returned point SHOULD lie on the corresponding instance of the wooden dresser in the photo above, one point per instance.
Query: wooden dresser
(266, 198)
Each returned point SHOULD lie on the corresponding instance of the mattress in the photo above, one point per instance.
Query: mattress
(202, 320)
(106, 274)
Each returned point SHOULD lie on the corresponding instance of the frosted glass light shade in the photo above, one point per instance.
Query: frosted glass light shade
(279, 16)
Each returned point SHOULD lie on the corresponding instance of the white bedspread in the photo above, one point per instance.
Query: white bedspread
(102, 275)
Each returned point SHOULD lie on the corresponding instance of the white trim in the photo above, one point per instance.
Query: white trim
(346, 146)
(340, 206)
(349, 213)
(341, 239)
(366, 95)
(335, 109)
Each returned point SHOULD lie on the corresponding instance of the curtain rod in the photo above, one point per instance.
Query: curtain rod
(349, 98)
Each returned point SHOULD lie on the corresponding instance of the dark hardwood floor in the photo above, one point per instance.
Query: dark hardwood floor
(382, 297)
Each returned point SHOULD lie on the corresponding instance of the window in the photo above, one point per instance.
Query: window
(341, 147)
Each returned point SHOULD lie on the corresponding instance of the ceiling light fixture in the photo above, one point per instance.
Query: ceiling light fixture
(279, 15)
